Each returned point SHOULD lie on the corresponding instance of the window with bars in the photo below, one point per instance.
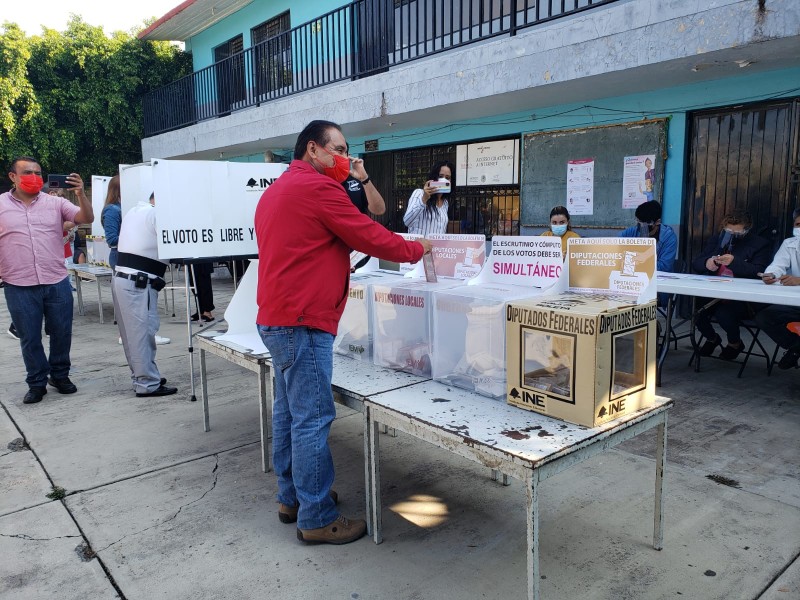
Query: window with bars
(272, 59)
(229, 74)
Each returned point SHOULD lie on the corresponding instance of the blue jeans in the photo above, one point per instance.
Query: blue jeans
(28, 305)
(302, 413)
(113, 255)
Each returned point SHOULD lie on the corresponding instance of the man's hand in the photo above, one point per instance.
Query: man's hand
(357, 169)
(425, 244)
(75, 182)
(725, 259)
(769, 278)
(790, 280)
(711, 264)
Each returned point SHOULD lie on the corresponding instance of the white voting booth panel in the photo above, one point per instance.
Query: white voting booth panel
(469, 322)
(207, 208)
(135, 185)
(99, 191)
(242, 312)
(354, 338)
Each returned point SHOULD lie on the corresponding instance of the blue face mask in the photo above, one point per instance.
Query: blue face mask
(558, 230)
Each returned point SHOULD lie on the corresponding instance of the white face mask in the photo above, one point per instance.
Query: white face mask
(796, 232)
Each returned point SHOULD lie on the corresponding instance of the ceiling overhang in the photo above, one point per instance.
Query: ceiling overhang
(190, 18)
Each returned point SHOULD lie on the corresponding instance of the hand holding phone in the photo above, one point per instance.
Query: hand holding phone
(767, 278)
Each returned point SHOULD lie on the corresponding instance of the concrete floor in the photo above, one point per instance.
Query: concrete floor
(155, 508)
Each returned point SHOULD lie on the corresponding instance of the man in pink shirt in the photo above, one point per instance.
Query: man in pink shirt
(33, 273)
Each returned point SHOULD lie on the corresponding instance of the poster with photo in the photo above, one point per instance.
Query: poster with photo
(580, 186)
(638, 180)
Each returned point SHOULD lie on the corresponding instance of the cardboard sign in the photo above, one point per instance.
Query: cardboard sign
(206, 208)
(455, 255)
(621, 266)
(99, 191)
(529, 261)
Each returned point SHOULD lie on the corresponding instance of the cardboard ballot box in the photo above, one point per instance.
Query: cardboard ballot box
(354, 338)
(582, 357)
(469, 336)
(402, 323)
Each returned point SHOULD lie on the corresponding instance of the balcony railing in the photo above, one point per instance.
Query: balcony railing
(357, 40)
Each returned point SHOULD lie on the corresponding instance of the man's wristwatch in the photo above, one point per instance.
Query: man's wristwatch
(365, 181)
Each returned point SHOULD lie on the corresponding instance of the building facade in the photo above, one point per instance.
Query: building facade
(411, 81)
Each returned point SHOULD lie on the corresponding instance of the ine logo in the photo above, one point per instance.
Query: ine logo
(613, 408)
(260, 184)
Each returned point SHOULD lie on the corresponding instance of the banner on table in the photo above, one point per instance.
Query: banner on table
(454, 255)
(530, 261)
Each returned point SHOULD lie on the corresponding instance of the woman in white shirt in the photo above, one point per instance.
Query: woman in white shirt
(427, 210)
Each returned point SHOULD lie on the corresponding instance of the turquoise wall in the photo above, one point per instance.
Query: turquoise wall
(672, 102)
(203, 44)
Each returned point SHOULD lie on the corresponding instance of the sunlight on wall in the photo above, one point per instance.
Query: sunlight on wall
(422, 510)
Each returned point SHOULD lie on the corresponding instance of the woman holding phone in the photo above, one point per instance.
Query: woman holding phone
(427, 207)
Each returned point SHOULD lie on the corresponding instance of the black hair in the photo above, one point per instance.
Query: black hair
(316, 131)
(795, 214)
(738, 217)
(648, 212)
(561, 210)
(433, 175)
(14, 162)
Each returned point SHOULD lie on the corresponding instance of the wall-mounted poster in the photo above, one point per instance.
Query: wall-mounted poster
(580, 186)
(488, 163)
(638, 180)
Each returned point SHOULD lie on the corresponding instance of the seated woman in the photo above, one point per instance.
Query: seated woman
(427, 209)
(775, 319)
(736, 252)
(559, 226)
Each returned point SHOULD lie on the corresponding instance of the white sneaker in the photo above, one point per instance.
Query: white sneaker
(162, 340)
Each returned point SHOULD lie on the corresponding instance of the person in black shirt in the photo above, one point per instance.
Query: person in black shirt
(363, 193)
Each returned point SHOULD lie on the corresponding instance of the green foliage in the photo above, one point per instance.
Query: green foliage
(73, 99)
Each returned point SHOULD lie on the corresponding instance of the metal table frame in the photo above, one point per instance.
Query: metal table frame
(530, 470)
(90, 273)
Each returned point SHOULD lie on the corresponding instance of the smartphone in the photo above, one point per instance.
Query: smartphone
(57, 182)
(766, 275)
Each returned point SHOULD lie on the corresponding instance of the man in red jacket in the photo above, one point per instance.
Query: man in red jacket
(305, 228)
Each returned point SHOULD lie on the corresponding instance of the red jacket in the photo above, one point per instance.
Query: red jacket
(305, 228)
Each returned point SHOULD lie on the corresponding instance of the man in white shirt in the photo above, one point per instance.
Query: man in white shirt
(775, 319)
(137, 279)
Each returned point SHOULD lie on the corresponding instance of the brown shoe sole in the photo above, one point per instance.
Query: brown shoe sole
(289, 518)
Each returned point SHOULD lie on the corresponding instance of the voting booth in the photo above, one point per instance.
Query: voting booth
(469, 331)
(585, 351)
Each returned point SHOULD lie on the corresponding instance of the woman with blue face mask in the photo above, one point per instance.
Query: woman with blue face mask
(735, 252)
(559, 227)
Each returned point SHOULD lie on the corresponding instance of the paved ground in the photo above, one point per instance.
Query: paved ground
(155, 508)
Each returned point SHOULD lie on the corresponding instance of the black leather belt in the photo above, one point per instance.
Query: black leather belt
(155, 282)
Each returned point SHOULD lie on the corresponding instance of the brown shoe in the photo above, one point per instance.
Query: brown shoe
(288, 514)
(341, 531)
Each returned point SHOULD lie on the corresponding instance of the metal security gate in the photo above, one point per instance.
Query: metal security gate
(487, 210)
(744, 157)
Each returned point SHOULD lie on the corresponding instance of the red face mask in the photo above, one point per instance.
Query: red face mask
(30, 184)
(340, 169)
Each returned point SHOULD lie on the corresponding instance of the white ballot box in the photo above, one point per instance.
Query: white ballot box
(354, 338)
(402, 320)
(97, 251)
(469, 336)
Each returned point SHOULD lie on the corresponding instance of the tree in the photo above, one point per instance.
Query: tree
(73, 99)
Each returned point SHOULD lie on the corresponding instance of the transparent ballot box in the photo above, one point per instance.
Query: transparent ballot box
(469, 341)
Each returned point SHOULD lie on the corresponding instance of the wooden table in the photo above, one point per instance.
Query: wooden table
(90, 273)
(523, 444)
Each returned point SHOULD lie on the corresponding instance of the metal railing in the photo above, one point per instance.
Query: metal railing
(357, 40)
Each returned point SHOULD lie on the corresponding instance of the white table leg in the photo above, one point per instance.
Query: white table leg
(80, 292)
(204, 390)
(99, 300)
(367, 468)
(375, 479)
(265, 411)
(532, 493)
(661, 464)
